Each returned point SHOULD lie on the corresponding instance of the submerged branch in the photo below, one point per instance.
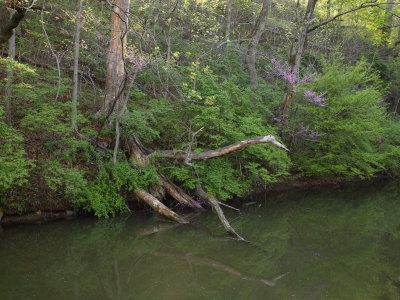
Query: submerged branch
(214, 203)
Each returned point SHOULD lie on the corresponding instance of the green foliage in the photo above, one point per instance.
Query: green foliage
(391, 147)
(350, 125)
(228, 113)
(14, 166)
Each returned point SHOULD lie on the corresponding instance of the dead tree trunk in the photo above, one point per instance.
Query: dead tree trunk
(140, 155)
(255, 36)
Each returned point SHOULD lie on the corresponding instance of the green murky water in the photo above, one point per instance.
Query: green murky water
(331, 244)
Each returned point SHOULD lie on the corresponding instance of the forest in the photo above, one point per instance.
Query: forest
(113, 106)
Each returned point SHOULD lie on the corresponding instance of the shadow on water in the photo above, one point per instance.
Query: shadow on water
(336, 243)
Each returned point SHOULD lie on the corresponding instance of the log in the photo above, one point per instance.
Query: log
(184, 155)
(214, 203)
(177, 193)
(158, 206)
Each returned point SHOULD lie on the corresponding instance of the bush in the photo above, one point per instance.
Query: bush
(350, 125)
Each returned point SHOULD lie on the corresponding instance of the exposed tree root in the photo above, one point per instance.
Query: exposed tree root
(214, 203)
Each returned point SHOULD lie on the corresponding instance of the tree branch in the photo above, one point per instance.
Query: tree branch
(363, 5)
(214, 203)
(184, 155)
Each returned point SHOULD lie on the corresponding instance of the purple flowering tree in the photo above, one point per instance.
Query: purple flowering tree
(295, 83)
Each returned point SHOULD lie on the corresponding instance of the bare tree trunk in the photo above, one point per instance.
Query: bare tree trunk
(255, 36)
(10, 73)
(228, 20)
(115, 67)
(76, 66)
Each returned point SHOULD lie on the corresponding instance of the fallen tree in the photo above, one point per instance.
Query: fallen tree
(141, 155)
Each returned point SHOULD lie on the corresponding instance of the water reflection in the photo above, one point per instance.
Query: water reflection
(337, 244)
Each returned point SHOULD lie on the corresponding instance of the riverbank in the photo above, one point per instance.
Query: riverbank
(46, 213)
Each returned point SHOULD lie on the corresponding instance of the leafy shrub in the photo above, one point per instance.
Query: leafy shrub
(350, 125)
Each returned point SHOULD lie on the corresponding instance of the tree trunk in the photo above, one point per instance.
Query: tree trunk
(228, 20)
(388, 29)
(115, 67)
(295, 59)
(76, 66)
(10, 73)
(255, 36)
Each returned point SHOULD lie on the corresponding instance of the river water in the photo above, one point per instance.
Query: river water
(338, 243)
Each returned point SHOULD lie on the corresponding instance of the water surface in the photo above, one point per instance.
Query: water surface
(330, 244)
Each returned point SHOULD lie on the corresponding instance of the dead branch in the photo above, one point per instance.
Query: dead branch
(185, 155)
(177, 193)
(214, 203)
(158, 206)
(228, 206)
(363, 5)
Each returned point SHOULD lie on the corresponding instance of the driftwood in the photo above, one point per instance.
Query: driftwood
(214, 203)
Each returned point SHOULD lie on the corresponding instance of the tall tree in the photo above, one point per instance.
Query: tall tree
(255, 36)
(228, 19)
(115, 68)
(11, 55)
(76, 65)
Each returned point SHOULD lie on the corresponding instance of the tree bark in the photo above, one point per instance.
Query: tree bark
(228, 20)
(158, 206)
(76, 66)
(214, 203)
(295, 58)
(115, 67)
(184, 155)
(10, 74)
(255, 36)
(177, 193)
